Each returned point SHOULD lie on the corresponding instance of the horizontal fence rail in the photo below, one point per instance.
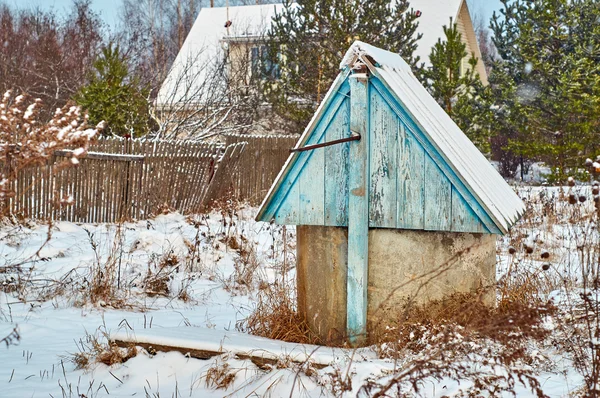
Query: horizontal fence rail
(122, 179)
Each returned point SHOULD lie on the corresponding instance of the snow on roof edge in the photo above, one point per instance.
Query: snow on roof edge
(485, 183)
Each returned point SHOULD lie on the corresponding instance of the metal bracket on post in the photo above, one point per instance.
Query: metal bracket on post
(358, 211)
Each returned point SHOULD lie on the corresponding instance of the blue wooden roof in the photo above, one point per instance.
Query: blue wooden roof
(423, 173)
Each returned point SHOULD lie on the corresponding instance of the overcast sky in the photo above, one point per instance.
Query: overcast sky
(109, 9)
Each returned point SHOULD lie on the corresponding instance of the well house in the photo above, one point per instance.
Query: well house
(391, 199)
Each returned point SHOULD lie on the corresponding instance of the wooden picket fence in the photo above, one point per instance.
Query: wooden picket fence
(133, 179)
(124, 179)
(259, 164)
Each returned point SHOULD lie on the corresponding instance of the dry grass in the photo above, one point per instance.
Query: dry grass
(104, 280)
(96, 349)
(220, 376)
(512, 321)
(462, 338)
(276, 317)
(160, 273)
(555, 249)
(157, 284)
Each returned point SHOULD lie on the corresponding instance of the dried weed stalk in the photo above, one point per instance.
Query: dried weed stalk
(220, 375)
(462, 338)
(26, 141)
(276, 317)
(97, 349)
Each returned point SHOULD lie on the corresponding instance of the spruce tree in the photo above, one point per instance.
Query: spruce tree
(453, 81)
(114, 96)
(308, 38)
(547, 81)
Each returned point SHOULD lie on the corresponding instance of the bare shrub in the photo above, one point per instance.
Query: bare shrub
(27, 141)
(555, 251)
(578, 329)
(462, 338)
(511, 317)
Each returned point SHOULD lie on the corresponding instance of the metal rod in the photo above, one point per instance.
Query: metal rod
(353, 137)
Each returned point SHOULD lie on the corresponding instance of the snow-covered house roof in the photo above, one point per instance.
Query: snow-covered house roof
(424, 171)
(204, 44)
(435, 14)
(209, 34)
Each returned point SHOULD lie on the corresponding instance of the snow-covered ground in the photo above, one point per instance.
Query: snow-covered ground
(207, 286)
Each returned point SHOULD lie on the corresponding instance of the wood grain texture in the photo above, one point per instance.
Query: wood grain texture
(336, 169)
(408, 185)
(438, 198)
(320, 123)
(358, 213)
(413, 127)
(298, 161)
(411, 181)
(464, 218)
(383, 163)
(312, 188)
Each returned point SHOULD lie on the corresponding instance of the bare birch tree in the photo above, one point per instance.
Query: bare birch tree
(152, 33)
(201, 99)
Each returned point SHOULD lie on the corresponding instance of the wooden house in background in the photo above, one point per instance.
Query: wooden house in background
(236, 33)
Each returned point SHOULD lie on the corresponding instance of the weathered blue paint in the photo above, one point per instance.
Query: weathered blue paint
(411, 186)
(297, 160)
(411, 181)
(312, 193)
(383, 163)
(463, 217)
(358, 210)
(416, 131)
(438, 191)
(336, 169)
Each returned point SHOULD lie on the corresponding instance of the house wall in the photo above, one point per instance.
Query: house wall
(240, 61)
(403, 264)
(464, 25)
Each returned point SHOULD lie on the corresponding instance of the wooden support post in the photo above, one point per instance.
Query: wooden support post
(358, 211)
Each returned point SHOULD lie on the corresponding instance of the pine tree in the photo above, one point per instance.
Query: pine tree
(308, 38)
(453, 81)
(114, 96)
(547, 82)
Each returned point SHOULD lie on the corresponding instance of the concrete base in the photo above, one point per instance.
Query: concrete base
(403, 264)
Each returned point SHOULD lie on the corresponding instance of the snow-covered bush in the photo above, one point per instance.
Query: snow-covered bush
(26, 141)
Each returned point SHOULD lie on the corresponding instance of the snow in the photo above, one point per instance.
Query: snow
(479, 176)
(209, 34)
(233, 343)
(55, 327)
